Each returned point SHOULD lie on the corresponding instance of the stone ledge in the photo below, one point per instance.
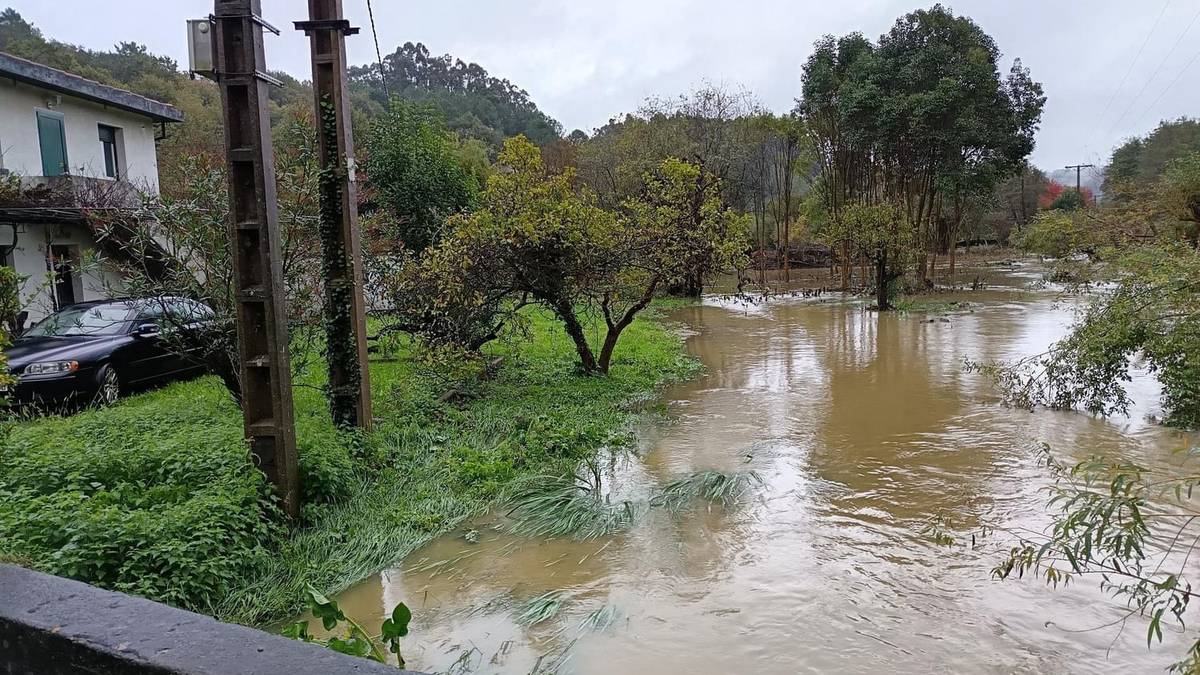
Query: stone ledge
(50, 625)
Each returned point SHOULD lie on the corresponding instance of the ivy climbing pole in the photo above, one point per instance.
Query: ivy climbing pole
(349, 388)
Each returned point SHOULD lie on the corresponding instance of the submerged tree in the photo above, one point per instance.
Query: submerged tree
(923, 121)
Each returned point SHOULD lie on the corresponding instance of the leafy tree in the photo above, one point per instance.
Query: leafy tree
(1179, 190)
(418, 173)
(883, 237)
(1142, 160)
(536, 239)
(1131, 526)
(706, 126)
(177, 245)
(924, 119)
(1056, 234)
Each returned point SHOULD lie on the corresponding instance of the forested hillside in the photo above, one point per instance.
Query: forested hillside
(473, 103)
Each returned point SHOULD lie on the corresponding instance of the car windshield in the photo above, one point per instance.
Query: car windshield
(95, 320)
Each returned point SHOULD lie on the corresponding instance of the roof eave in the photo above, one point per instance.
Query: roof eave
(45, 77)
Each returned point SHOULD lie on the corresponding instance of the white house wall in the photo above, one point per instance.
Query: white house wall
(21, 153)
(29, 261)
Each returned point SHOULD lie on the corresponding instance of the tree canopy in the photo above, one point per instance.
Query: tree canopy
(923, 120)
(418, 173)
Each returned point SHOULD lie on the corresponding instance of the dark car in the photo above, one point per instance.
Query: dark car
(95, 351)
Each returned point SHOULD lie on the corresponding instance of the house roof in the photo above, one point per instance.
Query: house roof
(22, 70)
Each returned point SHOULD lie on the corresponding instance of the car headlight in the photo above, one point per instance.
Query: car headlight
(51, 368)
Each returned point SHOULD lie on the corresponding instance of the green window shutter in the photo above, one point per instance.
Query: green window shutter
(53, 141)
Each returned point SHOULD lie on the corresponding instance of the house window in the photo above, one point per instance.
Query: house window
(112, 159)
(53, 141)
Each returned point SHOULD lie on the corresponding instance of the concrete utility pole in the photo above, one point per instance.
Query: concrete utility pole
(265, 370)
(1078, 180)
(346, 321)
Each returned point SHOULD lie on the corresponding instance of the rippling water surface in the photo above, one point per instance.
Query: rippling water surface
(863, 427)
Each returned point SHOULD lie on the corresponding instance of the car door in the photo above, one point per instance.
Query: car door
(189, 322)
(146, 357)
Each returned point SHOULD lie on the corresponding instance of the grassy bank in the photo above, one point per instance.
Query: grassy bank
(156, 495)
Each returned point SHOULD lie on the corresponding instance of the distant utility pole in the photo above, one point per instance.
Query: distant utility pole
(266, 377)
(341, 250)
(1078, 180)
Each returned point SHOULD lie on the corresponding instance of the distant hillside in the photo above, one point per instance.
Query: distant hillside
(474, 103)
(1142, 159)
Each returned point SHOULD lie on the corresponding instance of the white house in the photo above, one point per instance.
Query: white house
(81, 137)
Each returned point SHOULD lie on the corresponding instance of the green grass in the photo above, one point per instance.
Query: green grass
(156, 495)
(931, 305)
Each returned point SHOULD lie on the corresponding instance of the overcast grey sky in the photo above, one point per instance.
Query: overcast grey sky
(584, 61)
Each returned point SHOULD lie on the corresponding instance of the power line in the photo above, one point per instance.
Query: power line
(1169, 87)
(378, 54)
(1153, 75)
(1137, 56)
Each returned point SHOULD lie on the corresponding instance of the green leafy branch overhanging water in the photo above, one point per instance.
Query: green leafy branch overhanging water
(353, 638)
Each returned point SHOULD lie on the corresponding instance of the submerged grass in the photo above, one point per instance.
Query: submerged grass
(710, 485)
(549, 506)
(599, 619)
(157, 495)
(542, 608)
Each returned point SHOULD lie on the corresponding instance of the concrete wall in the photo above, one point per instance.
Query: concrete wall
(52, 626)
(29, 260)
(20, 152)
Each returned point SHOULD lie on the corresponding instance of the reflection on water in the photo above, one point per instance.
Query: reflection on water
(863, 427)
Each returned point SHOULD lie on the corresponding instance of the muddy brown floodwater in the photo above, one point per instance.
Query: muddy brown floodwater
(862, 427)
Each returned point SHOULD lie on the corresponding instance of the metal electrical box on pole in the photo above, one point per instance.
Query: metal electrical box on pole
(240, 71)
(346, 322)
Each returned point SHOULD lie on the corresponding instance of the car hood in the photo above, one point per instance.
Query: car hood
(34, 349)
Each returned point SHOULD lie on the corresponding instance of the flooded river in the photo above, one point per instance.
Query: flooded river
(863, 427)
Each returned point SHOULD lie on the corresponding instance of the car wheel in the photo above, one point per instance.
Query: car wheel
(110, 386)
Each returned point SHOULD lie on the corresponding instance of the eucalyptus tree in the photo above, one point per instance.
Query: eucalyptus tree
(834, 81)
(923, 120)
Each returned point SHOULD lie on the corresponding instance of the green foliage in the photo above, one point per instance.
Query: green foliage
(1142, 160)
(354, 640)
(711, 486)
(1128, 525)
(536, 239)
(540, 609)
(924, 118)
(1069, 200)
(1055, 234)
(419, 173)
(158, 495)
(1151, 312)
(10, 305)
(549, 506)
(168, 507)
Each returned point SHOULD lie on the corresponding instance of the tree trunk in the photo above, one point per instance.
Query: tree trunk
(881, 283)
(566, 314)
